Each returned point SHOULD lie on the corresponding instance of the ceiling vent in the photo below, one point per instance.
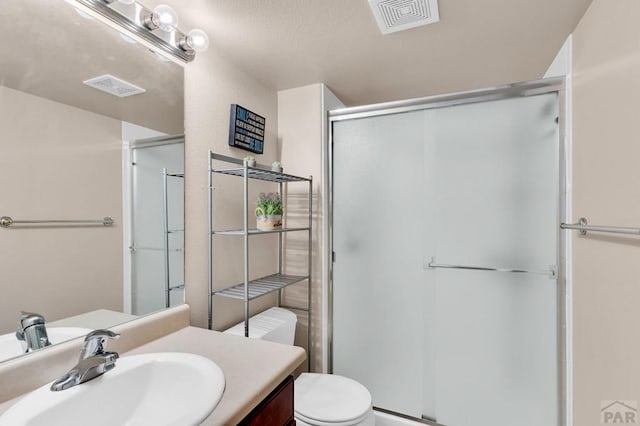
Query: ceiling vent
(114, 86)
(400, 15)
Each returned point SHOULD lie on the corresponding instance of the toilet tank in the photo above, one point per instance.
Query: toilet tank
(275, 325)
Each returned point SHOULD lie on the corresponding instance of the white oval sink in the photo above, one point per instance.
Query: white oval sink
(10, 347)
(172, 389)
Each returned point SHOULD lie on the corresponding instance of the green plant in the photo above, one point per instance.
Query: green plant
(276, 165)
(269, 204)
(249, 159)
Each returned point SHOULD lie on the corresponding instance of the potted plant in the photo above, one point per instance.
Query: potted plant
(276, 166)
(249, 161)
(269, 211)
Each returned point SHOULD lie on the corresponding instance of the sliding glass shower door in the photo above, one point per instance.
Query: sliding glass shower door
(154, 251)
(425, 205)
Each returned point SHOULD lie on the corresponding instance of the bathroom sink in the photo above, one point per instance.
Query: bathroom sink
(10, 347)
(152, 389)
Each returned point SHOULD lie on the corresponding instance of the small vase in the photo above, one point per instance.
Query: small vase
(268, 222)
(251, 163)
(277, 169)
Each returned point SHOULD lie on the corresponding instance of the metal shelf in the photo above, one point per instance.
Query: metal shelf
(168, 287)
(255, 231)
(258, 172)
(261, 286)
(272, 283)
(262, 174)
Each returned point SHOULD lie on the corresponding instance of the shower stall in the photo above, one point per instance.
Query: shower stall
(447, 274)
(157, 223)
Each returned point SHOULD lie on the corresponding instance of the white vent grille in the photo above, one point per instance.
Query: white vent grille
(399, 15)
(114, 86)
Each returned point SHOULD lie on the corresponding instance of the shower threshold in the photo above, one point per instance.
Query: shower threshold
(391, 418)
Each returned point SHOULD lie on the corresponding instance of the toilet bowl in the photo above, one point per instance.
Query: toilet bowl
(329, 399)
(320, 399)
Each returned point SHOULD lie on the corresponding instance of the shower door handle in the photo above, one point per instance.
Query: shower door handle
(432, 264)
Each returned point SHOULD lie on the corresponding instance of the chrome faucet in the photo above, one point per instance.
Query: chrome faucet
(94, 361)
(33, 333)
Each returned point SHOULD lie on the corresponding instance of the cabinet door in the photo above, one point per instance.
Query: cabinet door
(276, 409)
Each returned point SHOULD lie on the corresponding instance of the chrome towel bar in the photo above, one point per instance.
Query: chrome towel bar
(6, 221)
(551, 273)
(583, 227)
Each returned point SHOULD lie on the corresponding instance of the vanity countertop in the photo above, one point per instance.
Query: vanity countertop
(252, 368)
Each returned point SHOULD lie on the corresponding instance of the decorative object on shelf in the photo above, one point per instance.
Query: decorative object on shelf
(269, 211)
(249, 161)
(156, 29)
(246, 129)
(276, 166)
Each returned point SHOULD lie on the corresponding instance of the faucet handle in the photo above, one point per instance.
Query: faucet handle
(27, 319)
(95, 342)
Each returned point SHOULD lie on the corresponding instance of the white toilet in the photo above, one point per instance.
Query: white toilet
(320, 399)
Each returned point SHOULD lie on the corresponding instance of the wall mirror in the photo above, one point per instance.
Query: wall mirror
(72, 152)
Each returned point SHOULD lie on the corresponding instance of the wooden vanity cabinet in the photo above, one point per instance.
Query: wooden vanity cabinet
(276, 409)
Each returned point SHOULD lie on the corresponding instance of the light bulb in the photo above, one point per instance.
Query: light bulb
(165, 18)
(198, 40)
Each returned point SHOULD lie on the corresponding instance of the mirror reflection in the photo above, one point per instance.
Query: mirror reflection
(89, 122)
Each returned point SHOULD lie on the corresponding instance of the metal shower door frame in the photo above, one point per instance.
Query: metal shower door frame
(515, 90)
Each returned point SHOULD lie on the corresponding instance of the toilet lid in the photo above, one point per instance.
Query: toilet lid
(329, 398)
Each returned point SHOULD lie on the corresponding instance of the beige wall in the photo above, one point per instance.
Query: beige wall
(212, 83)
(300, 136)
(294, 136)
(58, 162)
(606, 190)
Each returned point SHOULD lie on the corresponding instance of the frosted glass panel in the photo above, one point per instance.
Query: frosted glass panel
(497, 206)
(496, 349)
(148, 262)
(497, 182)
(379, 285)
(471, 185)
(148, 280)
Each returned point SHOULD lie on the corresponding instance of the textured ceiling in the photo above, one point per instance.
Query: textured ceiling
(291, 43)
(286, 44)
(48, 50)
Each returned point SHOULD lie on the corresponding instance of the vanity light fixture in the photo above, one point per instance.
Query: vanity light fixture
(120, 1)
(163, 17)
(156, 29)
